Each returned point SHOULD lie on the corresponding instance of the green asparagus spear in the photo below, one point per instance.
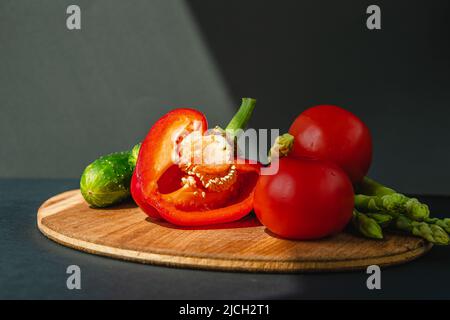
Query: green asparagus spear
(443, 223)
(367, 203)
(431, 232)
(372, 188)
(366, 225)
(382, 218)
(393, 200)
(393, 204)
(416, 210)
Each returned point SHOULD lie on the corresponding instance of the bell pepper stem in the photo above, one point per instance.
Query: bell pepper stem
(242, 116)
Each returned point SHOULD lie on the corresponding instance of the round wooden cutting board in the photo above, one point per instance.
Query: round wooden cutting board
(125, 232)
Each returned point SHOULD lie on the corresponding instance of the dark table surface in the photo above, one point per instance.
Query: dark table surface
(33, 267)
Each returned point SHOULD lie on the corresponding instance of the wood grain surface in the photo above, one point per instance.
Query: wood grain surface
(125, 232)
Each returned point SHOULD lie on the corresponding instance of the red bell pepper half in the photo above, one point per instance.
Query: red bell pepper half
(169, 183)
(138, 197)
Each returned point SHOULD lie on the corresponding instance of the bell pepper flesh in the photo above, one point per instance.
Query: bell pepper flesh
(138, 197)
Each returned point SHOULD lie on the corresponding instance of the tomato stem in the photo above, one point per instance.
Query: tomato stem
(281, 147)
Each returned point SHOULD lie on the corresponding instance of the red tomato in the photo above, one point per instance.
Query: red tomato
(306, 199)
(331, 133)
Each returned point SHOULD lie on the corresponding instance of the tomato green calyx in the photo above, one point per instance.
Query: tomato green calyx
(281, 147)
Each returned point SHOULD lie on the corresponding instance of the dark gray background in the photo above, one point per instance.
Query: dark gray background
(67, 97)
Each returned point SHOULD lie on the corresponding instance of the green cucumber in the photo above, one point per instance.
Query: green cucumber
(106, 181)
